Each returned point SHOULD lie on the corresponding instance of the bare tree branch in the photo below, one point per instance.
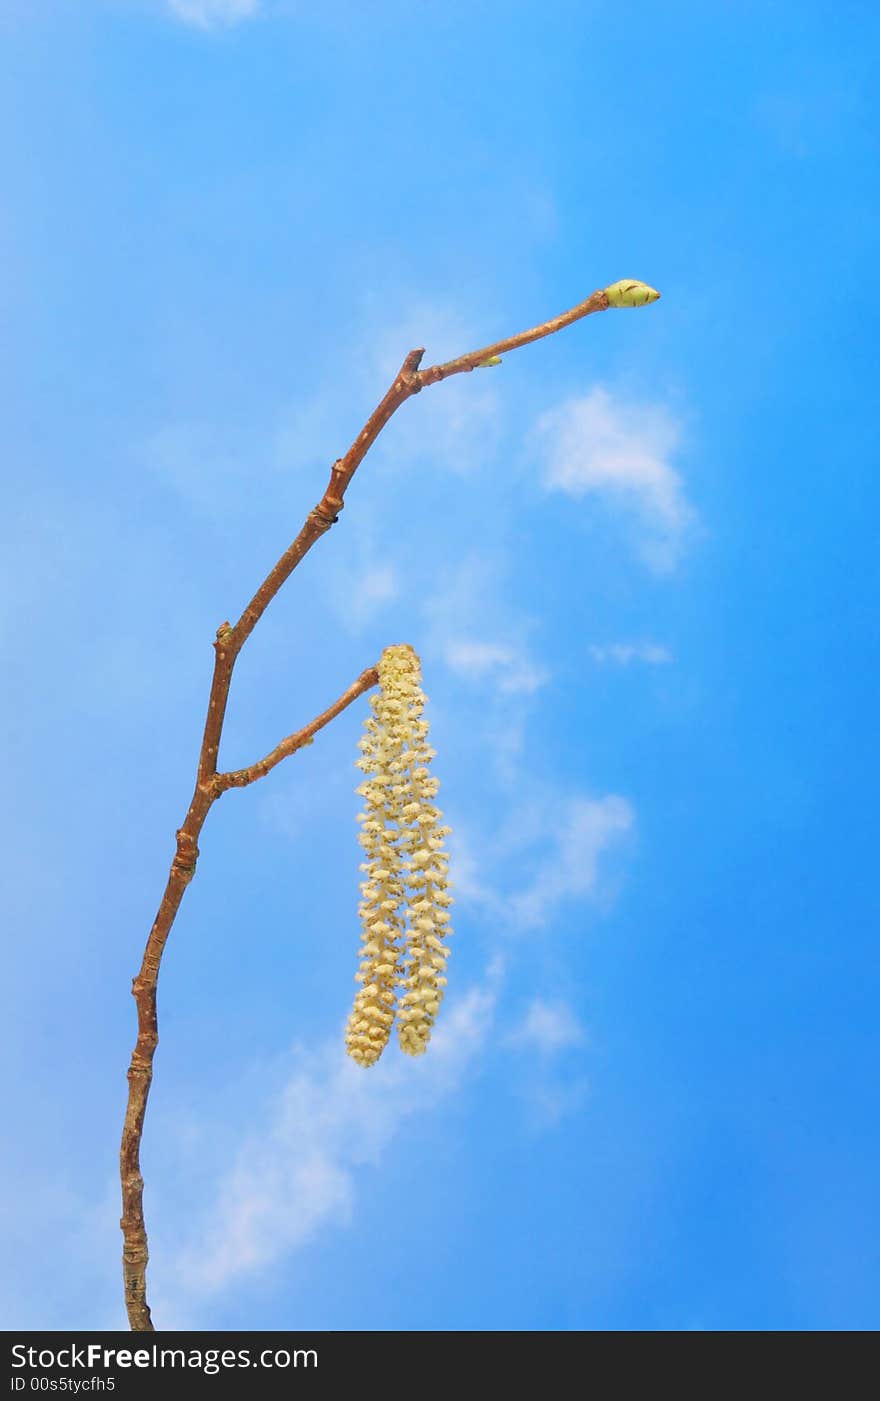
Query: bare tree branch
(210, 784)
(597, 301)
(240, 778)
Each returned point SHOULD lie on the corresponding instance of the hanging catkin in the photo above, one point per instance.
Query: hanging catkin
(405, 899)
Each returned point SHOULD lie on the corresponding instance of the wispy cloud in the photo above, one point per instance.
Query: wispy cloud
(549, 1101)
(584, 830)
(458, 428)
(374, 587)
(623, 653)
(300, 1172)
(506, 665)
(359, 592)
(213, 14)
(552, 1086)
(601, 445)
(200, 464)
(548, 1027)
(559, 840)
(547, 848)
(497, 662)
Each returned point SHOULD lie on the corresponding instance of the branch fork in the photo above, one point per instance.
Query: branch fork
(212, 784)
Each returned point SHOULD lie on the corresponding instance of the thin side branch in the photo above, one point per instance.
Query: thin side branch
(597, 301)
(135, 1253)
(210, 784)
(240, 778)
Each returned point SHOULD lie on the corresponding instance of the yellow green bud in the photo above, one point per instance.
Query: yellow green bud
(630, 293)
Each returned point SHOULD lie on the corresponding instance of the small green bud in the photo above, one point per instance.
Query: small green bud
(630, 293)
(493, 360)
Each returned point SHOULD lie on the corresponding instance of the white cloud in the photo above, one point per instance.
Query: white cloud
(571, 836)
(499, 662)
(586, 828)
(600, 444)
(299, 1173)
(456, 425)
(622, 653)
(506, 665)
(468, 883)
(358, 593)
(548, 1102)
(195, 461)
(478, 576)
(555, 838)
(548, 1027)
(209, 14)
(375, 587)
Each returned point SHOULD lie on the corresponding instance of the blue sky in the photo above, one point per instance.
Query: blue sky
(638, 560)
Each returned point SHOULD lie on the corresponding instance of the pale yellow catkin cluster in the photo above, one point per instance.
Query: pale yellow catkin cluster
(405, 898)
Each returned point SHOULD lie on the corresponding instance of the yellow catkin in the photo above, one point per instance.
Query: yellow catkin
(405, 895)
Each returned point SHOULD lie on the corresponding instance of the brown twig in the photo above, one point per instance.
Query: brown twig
(240, 778)
(210, 784)
(135, 1254)
(474, 358)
